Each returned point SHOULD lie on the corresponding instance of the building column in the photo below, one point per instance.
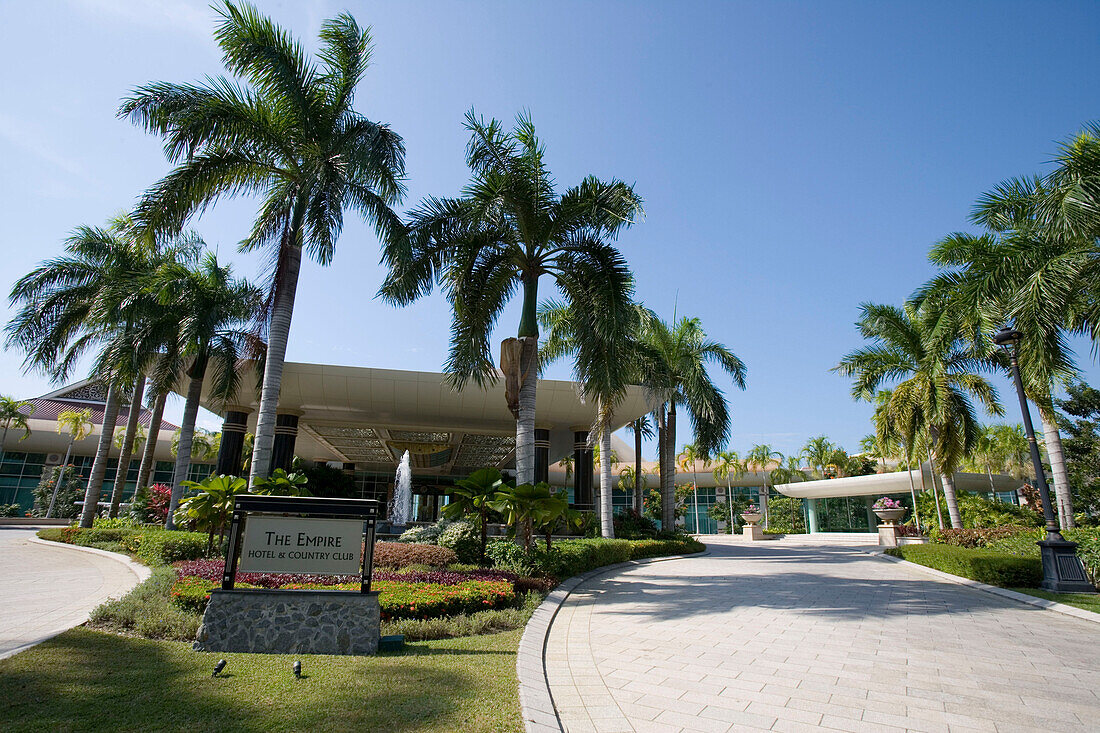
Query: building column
(582, 471)
(231, 448)
(811, 515)
(872, 519)
(542, 455)
(286, 431)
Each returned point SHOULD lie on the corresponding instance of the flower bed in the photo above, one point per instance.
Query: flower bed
(402, 554)
(153, 545)
(396, 599)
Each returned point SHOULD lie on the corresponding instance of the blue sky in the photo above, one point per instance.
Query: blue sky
(796, 159)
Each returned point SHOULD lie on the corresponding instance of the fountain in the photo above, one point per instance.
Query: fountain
(401, 511)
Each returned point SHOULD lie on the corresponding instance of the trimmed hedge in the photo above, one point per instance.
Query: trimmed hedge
(396, 599)
(984, 566)
(153, 545)
(402, 554)
(567, 558)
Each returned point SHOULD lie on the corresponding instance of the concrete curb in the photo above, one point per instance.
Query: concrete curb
(141, 571)
(535, 699)
(1003, 592)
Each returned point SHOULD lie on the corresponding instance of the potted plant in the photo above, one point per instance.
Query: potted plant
(888, 510)
(751, 514)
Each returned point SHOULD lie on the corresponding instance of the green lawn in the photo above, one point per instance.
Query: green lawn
(89, 680)
(1086, 601)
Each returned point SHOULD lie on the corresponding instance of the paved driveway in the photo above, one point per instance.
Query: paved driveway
(787, 638)
(46, 590)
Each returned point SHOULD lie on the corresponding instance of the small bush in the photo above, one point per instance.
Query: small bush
(978, 537)
(630, 525)
(657, 548)
(9, 510)
(462, 537)
(160, 546)
(482, 622)
(426, 535)
(150, 504)
(148, 610)
(984, 566)
(400, 554)
(52, 534)
(70, 491)
(572, 557)
(114, 523)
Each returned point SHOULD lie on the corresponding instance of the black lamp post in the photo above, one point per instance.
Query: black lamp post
(1062, 569)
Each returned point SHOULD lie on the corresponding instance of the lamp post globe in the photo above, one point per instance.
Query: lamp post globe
(1063, 571)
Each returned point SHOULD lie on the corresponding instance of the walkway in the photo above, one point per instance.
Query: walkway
(772, 636)
(46, 590)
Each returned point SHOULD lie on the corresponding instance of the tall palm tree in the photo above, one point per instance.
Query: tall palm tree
(1020, 278)
(606, 358)
(817, 452)
(214, 309)
(507, 229)
(641, 428)
(728, 466)
(936, 379)
(94, 298)
(13, 414)
(286, 131)
(125, 441)
(892, 444)
(678, 376)
(78, 424)
(758, 459)
(690, 455)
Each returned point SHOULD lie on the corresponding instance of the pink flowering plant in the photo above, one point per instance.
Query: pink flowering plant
(886, 503)
(750, 509)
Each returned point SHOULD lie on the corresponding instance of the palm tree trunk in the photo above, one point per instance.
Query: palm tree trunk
(127, 445)
(57, 484)
(1059, 474)
(637, 470)
(669, 505)
(913, 494)
(607, 522)
(187, 434)
(525, 423)
(99, 465)
(662, 428)
(729, 500)
(282, 310)
(935, 496)
(15, 489)
(149, 456)
(764, 494)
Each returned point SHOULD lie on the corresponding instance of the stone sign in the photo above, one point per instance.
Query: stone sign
(300, 545)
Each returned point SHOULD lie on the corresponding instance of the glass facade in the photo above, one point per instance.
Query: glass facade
(21, 472)
(696, 519)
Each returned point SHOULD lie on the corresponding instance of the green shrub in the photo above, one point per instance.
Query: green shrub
(191, 593)
(96, 536)
(977, 511)
(53, 534)
(70, 491)
(980, 536)
(115, 523)
(982, 565)
(161, 546)
(657, 548)
(9, 510)
(482, 622)
(426, 535)
(567, 558)
(464, 538)
(148, 610)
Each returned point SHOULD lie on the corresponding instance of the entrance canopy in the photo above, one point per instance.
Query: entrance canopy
(370, 417)
(890, 483)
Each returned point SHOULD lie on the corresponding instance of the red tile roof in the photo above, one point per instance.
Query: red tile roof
(47, 409)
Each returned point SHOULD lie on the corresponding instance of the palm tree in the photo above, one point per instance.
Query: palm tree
(1018, 278)
(213, 308)
(788, 473)
(727, 465)
(678, 376)
(507, 229)
(758, 459)
(934, 400)
(606, 358)
(78, 424)
(148, 457)
(94, 297)
(641, 428)
(892, 444)
(12, 415)
(288, 133)
(687, 459)
(474, 495)
(817, 452)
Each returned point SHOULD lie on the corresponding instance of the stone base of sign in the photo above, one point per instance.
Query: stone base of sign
(290, 622)
(752, 532)
(888, 535)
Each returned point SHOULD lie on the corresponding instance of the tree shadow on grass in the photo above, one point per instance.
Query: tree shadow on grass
(86, 680)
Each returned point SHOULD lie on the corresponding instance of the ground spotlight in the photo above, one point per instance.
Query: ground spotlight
(298, 670)
(219, 667)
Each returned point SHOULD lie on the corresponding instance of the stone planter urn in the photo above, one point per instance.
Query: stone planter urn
(752, 531)
(890, 516)
(752, 517)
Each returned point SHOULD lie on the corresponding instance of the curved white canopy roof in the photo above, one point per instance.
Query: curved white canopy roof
(889, 483)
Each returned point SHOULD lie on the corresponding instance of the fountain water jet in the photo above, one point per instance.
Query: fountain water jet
(401, 511)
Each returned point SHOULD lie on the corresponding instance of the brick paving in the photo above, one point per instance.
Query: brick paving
(48, 589)
(774, 636)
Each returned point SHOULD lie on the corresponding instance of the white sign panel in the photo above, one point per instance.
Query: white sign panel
(296, 545)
